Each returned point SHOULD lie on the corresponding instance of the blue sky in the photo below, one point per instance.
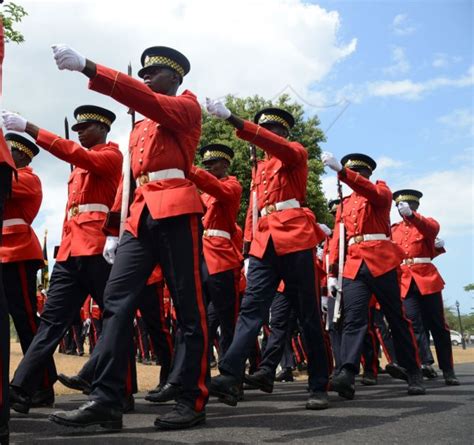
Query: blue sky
(405, 67)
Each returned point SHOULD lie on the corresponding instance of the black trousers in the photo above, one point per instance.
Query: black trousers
(175, 243)
(357, 294)
(384, 336)
(428, 310)
(335, 333)
(19, 283)
(371, 346)
(297, 270)
(280, 336)
(71, 282)
(222, 289)
(5, 188)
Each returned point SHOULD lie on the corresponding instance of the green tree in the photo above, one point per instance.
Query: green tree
(12, 13)
(469, 287)
(305, 131)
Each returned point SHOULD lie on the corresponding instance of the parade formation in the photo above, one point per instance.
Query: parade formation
(153, 252)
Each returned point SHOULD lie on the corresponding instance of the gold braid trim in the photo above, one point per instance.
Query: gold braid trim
(21, 147)
(93, 116)
(406, 198)
(166, 61)
(216, 154)
(265, 118)
(356, 163)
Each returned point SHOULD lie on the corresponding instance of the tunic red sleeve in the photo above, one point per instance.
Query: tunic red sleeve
(208, 183)
(428, 227)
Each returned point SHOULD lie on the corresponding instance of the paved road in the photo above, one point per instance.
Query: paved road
(380, 414)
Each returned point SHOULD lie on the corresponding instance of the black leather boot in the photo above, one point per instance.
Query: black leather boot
(182, 416)
(317, 400)
(75, 382)
(262, 379)
(415, 383)
(226, 388)
(167, 392)
(43, 397)
(344, 383)
(450, 378)
(19, 400)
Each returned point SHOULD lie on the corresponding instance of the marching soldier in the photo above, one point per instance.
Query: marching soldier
(22, 256)
(7, 167)
(80, 269)
(370, 268)
(421, 283)
(163, 228)
(282, 248)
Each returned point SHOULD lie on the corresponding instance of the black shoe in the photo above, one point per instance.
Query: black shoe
(429, 372)
(397, 372)
(247, 386)
(75, 382)
(19, 400)
(89, 414)
(450, 378)
(285, 375)
(129, 404)
(262, 379)
(317, 400)
(157, 389)
(415, 383)
(42, 398)
(226, 388)
(168, 392)
(4, 435)
(182, 416)
(369, 378)
(343, 383)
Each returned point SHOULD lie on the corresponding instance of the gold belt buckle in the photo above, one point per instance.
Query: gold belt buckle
(410, 261)
(358, 239)
(270, 208)
(74, 210)
(204, 233)
(143, 179)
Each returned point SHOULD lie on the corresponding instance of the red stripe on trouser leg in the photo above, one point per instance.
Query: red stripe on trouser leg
(140, 341)
(295, 350)
(164, 328)
(201, 400)
(412, 334)
(384, 348)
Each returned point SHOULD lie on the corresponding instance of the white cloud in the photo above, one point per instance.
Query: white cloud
(461, 119)
(400, 63)
(443, 60)
(402, 26)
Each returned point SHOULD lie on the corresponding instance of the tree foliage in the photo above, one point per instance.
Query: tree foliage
(305, 131)
(469, 287)
(12, 13)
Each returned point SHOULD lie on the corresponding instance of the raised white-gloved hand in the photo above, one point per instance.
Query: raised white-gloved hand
(217, 109)
(68, 58)
(246, 266)
(333, 288)
(404, 209)
(439, 243)
(110, 249)
(87, 322)
(324, 304)
(327, 231)
(330, 161)
(13, 121)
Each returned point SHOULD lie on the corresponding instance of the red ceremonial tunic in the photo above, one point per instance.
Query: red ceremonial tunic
(416, 237)
(280, 177)
(166, 139)
(94, 180)
(365, 211)
(20, 242)
(221, 199)
(40, 301)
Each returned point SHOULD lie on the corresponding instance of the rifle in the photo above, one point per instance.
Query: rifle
(342, 248)
(253, 160)
(126, 174)
(66, 136)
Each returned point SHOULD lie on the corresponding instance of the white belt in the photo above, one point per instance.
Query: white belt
(170, 173)
(368, 237)
(410, 261)
(283, 205)
(14, 222)
(81, 208)
(215, 232)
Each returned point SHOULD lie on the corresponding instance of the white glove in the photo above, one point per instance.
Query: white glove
(404, 209)
(87, 322)
(217, 109)
(439, 243)
(324, 304)
(327, 231)
(68, 58)
(332, 285)
(110, 249)
(319, 253)
(246, 266)
(330, 161)
(13, 121)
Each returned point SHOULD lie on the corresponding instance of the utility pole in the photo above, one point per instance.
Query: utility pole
(463, 341)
